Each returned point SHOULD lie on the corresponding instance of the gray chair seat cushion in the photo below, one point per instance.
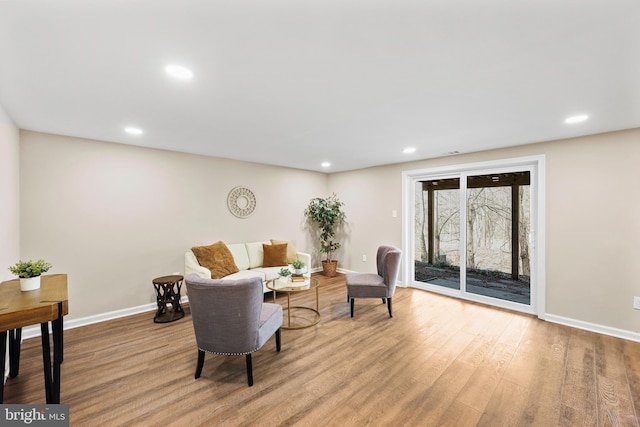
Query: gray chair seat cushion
(270, 321)
(366, 285)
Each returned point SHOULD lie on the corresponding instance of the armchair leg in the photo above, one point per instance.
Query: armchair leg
(389, 306)
(278, 340)
(249, 370)
(352, 304)
(384, 300)
(200, 363)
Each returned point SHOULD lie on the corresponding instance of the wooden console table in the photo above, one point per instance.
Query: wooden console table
(19, 309)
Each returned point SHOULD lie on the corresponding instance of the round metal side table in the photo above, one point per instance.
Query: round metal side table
(291, 288)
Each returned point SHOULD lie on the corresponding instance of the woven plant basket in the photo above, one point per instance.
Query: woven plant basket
(329, 268)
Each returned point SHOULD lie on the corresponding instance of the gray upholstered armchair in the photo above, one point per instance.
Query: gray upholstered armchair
(381, 285)
(231, 318)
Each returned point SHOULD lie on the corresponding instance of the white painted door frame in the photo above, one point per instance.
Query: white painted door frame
(536, 166)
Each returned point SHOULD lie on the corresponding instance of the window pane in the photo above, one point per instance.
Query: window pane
(437, 233)
(496, 256)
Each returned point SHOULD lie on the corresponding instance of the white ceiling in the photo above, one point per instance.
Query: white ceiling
(298, 82)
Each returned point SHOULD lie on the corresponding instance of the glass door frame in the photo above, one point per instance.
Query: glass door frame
(536, 166)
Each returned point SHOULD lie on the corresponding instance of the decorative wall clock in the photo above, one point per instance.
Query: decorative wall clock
(241, 202)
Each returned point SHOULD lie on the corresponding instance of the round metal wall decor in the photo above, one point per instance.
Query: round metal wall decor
(241, 202)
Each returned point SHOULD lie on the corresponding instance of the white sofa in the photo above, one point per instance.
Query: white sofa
(248, 258)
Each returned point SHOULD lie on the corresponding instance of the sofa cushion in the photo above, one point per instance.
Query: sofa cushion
(217, 258)
(239, 252)
(292, 251)
(255, 253)
(246, 274)
(274, 255)
(269, 273)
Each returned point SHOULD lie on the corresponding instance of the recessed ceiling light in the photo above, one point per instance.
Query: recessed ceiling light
(133, 130)
(409, 150)
(325, 164)
(576, 119)
(178, 71)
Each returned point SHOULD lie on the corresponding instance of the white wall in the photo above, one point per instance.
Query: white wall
(114, 217)
(370, 195)
(593, 221)
(9, 196)
(9, 201)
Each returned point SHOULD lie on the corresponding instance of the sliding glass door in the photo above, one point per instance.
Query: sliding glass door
(473, 233)
(497, 244)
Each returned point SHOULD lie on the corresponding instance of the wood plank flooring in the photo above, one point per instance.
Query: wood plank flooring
(438, 362)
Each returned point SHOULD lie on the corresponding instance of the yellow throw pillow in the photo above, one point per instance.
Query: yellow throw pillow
(292, 251)
(274, 255)
(217, 258)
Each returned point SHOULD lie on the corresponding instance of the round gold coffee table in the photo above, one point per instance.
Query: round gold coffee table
(291, 288)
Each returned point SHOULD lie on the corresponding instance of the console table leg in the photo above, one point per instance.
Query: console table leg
(3, 355)
(46, 359)
(56, 326)
(15, 338)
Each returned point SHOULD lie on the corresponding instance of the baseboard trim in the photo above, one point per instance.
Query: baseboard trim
(593, 327)
(34, 331)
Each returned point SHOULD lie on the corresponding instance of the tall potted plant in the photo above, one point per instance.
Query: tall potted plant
(327, 214)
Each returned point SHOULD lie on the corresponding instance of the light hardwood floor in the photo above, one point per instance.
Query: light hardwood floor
(438, 362)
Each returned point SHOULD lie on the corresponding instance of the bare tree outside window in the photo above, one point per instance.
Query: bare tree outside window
(497, 243)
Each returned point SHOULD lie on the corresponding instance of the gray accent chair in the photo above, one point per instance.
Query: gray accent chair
(230, 317)
(381, 285)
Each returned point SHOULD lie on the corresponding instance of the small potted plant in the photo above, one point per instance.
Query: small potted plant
(298, 267)
(29, 273)
(284, 274)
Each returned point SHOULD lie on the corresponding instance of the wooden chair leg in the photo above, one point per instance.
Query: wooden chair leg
(200, 363)
(278, 340)
(249, 370)
(389, 306)
(352, 304)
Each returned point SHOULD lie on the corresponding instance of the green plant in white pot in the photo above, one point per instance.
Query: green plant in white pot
(29, 273)
(298, 267)
(284, 274)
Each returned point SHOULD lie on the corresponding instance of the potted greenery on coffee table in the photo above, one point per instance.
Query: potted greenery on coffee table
(284, 274)
(327, 214)
(298, 267)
